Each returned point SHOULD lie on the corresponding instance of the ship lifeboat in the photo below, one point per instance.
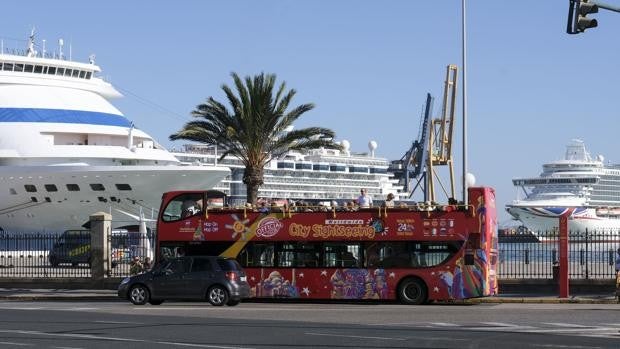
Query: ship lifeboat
(614, 211)
(602, 211)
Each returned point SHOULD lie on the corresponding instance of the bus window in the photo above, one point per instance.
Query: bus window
(257, 255)
(435, 253)
(298, 255)
(341, 255)
(183, 206)
(394, 255)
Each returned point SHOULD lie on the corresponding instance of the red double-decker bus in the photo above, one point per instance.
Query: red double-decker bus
(413, 254)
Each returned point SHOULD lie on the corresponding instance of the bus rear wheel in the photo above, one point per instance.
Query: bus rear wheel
(412, 291)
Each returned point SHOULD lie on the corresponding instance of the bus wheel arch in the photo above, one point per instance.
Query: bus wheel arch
(412, 290)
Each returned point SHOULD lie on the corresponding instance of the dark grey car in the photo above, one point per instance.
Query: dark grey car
(218, 280)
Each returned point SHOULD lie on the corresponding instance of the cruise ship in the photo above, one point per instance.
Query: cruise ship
(318, 176)
(586, 188)
(66, 152)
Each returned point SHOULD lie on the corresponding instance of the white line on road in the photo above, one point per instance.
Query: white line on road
(444, 324)
(118, 339)
(18, 344)
(119, 322)
(201, 345)
(563, 324)
(500, 324)
(352, 336)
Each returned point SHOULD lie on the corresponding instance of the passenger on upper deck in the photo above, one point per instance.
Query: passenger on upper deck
(389, 201)
(364, 200)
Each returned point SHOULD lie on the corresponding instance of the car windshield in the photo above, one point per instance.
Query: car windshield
(228, 264)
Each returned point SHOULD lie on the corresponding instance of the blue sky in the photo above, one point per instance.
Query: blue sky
(367, 65)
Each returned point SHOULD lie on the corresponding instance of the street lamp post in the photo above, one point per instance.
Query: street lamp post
(464, 58)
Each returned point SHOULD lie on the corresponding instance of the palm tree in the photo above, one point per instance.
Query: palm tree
(256, 127)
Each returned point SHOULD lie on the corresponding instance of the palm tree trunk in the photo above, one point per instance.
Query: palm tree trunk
(253, 179)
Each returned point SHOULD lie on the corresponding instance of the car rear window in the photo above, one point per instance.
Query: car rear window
(228, 264)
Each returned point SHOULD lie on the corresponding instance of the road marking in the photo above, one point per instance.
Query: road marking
(118, 339)
(563, 346)
(563, 324)
(444, 324)
(200, 345)
(68, 347)
(18, 344)
(120, 322)
(500, 324)
(352, 336)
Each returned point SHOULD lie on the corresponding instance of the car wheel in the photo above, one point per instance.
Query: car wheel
(156, 301)
(217, 296)
(412, 291)
(139, 295)
(232, 303)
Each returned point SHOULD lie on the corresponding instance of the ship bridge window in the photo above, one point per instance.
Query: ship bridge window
(286, 165)
(73, 187)
(123, 186)
(68, 72)
(320, 167)
(51, 187)
(76, 73)
(303, 166)
(60, 71)
(18, 67)
(97, 187)
(8, 67)
(28, 68)
(51, 70)
(38, 69)
(357, 169)
(88, 75)
(82, 74)
(30, 188)
(378, 170)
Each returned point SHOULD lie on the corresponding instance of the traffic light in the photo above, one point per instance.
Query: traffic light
(578, 11)
(585, 8)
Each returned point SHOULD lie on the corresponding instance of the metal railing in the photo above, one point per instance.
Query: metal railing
(591, 255)
(68, 254)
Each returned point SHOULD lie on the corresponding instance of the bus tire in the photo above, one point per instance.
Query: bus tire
(412, 291)
(139, 295)
(217, 295)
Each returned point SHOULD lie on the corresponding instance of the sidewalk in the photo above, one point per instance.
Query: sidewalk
(23, 294)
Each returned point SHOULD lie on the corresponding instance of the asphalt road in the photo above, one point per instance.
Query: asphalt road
(307, 325)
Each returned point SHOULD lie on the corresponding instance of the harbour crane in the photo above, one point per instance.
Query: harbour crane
(433, 148)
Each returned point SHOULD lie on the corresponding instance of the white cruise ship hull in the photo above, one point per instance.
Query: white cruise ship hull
(543, 220)
(110, 189)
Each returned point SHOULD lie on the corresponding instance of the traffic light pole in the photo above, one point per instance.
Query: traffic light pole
(578, 11)
(605, 6)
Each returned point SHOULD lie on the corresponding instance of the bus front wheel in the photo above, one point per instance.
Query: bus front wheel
(412, 291)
